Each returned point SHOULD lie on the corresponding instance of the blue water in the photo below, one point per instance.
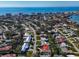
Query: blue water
(15, 10)
(75, 18)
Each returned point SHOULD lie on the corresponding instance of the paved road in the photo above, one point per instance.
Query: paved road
(6, 28)
(70, 42)
(34, 25)
(34, 51)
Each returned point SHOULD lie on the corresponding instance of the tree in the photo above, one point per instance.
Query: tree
(8, 34)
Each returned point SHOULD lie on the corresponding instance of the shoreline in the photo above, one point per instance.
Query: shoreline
(69, 14)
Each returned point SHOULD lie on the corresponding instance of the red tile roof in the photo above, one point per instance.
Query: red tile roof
(5, 48)
(45, 47)
(9, 55)
(61, 39)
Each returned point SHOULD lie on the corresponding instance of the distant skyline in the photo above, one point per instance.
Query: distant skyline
(39, 3)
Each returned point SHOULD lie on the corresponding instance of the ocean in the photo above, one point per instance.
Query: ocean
(75, 18)
(15, 10)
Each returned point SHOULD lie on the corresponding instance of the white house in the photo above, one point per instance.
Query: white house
(63, 47)
(25, 46)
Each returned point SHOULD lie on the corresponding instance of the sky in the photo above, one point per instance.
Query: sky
(39, 3)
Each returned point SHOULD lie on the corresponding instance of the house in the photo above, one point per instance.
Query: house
(60, 39)
(72, 33)
(8, 40)
(25, 47)
(25, 35)
(55, 35)
(65, 30)
(71, 56)
(63, 47)
(2, 45)
(43, 38)
(8, 55)
(45, 54)
(42, 32)
(5, 48)
(76, 38)
(27, 29)
(15, 35)
(41, 35)
(28, 39)
(44, 51)
(45, 47)
(65, 25)
(49, 31)
(1, 35)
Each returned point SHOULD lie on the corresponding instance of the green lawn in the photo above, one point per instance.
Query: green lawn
(38, 37)
(29, 54)
(18, 49)
(38, 43)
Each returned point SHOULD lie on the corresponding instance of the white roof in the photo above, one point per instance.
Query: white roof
(43, 38)
(42, 42)
(70, 55)
(49, 31)
(24, 46)
(58, 37)
(42, 32)
(63, 44)
(27, 39)
(64, 24)
(45, 43)
(77, 37)
(26, 34)
(27, 28)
